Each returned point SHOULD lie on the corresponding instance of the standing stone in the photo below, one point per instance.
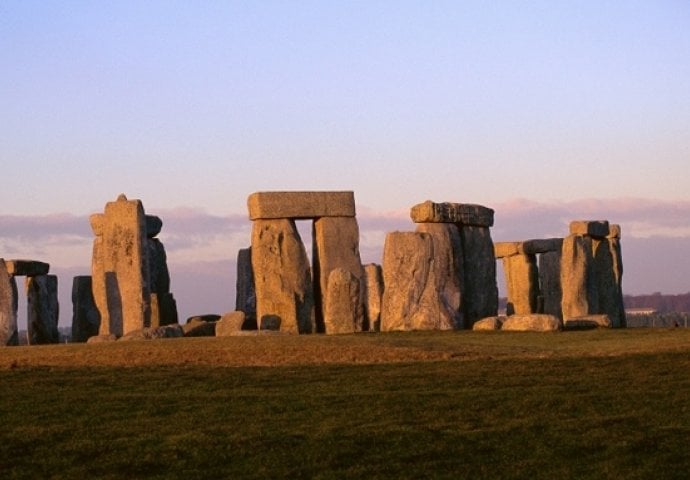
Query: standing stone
(120, 267)
(522, 280)
(343, 303)
(43, 309)
(617, 255)
(335, 245)
(245, 293)
(578, 281)
(447, 271)
(8, 307)
(607, 281)
(282, 276)
(480, 291)
(373, 276)
(550, 282)
(85, 317)
(407, 258)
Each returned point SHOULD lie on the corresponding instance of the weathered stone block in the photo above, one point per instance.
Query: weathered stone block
(578, 279)
(43, 309)
(282, 276)
(522, 280)
(199, 328)
(335, 245)
(489, 323)
(300, 205)
(155, 333)
(30, 268)
(373, 276)
(120, 267)
(8, 307)
(480, 291)
(85, 317)
(541, 245)
(550, 283)
(230, 324)
(506, 249)
(462, 213)
(343, 309)
(592, 228)
(588, 321)
(532, 323)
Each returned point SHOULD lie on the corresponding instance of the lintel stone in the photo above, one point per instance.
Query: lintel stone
(592, 228)
(541, 245)
(446, 212)
(506, 249)
(300, 205)
(29, 268)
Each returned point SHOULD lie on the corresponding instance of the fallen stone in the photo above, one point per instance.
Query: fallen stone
(343, 309)
(85, 316)
(587, 322)
(102, 338)
(29, 268)
(282, 276)
(336, 246)
(245, 293)
(208, 317)
(300, 205)
(373, 276)
(532, 323)
(199, 328)
(462, 213)
(592, 228)
(230, 323)
(148, 333)
(8, 307)
(43, 309)
(489, 323)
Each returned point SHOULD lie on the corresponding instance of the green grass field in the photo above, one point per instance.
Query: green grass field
(591, 404)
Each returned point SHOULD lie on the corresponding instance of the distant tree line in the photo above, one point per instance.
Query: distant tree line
(659, 302)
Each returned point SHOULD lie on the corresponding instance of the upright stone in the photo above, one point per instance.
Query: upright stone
(85, 317)
(480, 291)
(43, 309)
(335, 245)
(608, 281)
(300, 205)
(550, 282)
(282, 276)
(120, 268)
(578, 280)
(447, 271)
(616, 253)
(522, 280)
(8, 307)
(343, 303)
(373, 275)
(245, 293)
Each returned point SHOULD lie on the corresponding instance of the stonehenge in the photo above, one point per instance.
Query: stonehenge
(439, 276)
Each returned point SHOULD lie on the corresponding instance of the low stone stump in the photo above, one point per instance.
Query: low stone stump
(585, 322)
(230, 323)
(532, 323)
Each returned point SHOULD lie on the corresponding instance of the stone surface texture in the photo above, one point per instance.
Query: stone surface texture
(282, 276)
(343, 309)
(522, 281)
(43, 309)
(532, 323)
(85, 317)
(336, 246)
(300, 205)
(447, 212)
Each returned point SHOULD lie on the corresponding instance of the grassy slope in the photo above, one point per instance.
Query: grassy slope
(598, 404)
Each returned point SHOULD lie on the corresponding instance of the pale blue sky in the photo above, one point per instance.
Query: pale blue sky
(202, 103)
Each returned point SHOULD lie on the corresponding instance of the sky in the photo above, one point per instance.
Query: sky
(545, 111)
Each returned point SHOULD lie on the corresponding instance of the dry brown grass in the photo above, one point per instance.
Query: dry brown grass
(267, 351)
